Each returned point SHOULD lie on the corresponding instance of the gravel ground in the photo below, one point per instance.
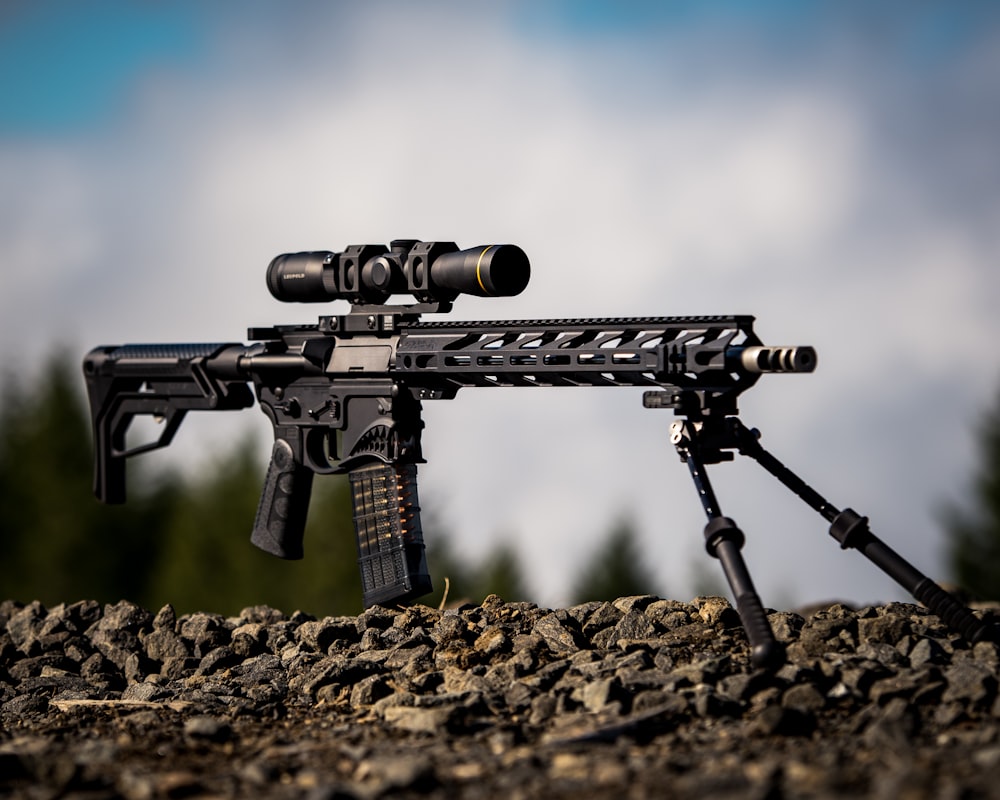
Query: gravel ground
(641, 697)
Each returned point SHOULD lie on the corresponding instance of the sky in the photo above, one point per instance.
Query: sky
(830, 168)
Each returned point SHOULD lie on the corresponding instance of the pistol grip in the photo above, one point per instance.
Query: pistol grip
(284, 503)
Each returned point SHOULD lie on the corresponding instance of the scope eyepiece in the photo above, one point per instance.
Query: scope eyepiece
(435, 272)
(301, 277)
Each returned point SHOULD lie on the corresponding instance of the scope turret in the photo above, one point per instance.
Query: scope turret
(433, 272)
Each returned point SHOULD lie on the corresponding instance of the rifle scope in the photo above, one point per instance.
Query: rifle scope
(371, 273)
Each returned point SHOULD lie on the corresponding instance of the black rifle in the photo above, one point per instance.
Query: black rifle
(344, 395)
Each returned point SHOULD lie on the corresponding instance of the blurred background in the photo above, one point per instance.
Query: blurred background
(831, 168)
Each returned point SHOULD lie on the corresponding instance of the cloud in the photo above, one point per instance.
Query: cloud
(636, 184)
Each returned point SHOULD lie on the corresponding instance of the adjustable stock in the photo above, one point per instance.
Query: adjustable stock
(161, 381)
(281, 515)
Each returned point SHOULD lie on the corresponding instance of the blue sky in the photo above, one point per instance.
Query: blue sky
(66, 65)
(828, 167)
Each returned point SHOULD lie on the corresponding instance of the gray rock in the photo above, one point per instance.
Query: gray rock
(261, 615)
(432, 721)
(23, 707)
(34, 666)
(804, 698)
(205, 632)
(786, 625)
(249, 639)
(670, 613)
(331, 670)
(165, 619)
(321, 634)
(369, 690)
(601, 617)
(24, 625)
(637, 602)
(492, 642)
(204, 727)
(451, 628)
(145, 692)
(633, 625)
(376, 617)
(557, 633)
(902, 685)
(717, 611)
(970, 683)
(220, 658)
(883, 629)
(927, 651)
(597, 695)
(125, 616)
(634, 697)
(583, 611)
(162, 643)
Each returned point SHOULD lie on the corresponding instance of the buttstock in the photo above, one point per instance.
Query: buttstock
(159, 381)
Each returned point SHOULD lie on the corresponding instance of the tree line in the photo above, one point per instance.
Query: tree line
(184, 538)
(973, 523)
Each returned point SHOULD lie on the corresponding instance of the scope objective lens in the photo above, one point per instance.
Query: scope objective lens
(494, 270)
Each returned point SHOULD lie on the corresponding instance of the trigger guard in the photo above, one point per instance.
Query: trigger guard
(316, 452)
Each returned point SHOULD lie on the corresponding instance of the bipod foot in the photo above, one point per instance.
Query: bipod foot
(852, 531)
(723, 540)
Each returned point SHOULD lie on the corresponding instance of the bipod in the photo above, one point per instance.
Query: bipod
(711, 440)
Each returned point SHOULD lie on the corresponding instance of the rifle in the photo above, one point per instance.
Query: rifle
(344, 396)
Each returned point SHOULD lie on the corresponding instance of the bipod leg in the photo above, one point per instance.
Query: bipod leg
(852, 531)
(723, 540)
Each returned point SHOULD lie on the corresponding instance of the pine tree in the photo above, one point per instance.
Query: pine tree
(974, 527)
(500, 574)
(59, 543)
(209, 564)
(456, 580)
(615, 569)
